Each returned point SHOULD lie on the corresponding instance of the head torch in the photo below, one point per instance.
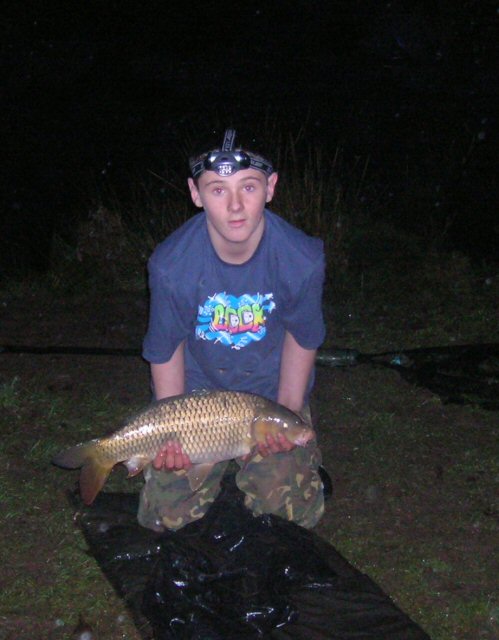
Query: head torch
(226, 161)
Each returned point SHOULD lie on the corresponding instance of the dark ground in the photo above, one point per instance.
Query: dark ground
(413, 503)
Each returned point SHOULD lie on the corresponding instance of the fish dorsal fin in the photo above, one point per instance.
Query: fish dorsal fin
(198, 473)
(135, 465)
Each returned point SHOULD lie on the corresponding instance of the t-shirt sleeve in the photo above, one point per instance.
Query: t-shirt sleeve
(303, 316)
(168, 324)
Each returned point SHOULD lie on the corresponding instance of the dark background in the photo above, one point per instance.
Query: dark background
(95, 90)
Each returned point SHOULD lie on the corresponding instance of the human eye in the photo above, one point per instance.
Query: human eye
(217, 191)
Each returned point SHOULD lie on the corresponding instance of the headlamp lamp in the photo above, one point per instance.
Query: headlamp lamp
(226, 161)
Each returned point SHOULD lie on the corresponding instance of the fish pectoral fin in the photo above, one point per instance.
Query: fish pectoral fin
(135, 465)
(198, 474)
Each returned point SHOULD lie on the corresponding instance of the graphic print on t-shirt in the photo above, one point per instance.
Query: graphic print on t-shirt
(234, 321)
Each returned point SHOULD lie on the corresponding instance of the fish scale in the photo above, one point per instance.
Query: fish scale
(210, 426)
(197, 422)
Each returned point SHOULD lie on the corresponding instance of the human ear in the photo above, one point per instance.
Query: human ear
(271, 183)
(194, 192)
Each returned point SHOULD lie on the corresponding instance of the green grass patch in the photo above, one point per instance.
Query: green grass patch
(46, 562)
(413, 518)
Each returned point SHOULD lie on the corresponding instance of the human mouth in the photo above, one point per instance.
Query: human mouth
(236, 224)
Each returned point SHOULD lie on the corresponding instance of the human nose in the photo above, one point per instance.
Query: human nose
(235, 202)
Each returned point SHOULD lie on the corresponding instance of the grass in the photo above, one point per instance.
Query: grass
(419, 513)
(46, 563)
(398, 521)
(9, 394)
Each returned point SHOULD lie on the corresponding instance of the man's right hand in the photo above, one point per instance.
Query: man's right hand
(171, 458)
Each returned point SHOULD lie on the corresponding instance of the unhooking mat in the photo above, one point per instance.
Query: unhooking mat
(233, 576)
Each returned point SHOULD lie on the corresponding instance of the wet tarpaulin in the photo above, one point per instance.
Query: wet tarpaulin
(234, 576)
(463, 374)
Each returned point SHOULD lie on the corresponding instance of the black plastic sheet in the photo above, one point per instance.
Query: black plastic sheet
(231, 575)
(461, 374)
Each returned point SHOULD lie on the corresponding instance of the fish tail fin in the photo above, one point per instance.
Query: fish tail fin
(94, 470)
(93, 475)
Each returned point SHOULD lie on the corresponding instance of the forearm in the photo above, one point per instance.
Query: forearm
(296, 367)
(169, 377)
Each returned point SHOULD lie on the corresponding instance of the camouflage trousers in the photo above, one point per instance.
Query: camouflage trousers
(284, 484)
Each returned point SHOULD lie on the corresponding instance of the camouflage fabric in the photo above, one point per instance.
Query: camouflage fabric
(284, 484)
(168, 502)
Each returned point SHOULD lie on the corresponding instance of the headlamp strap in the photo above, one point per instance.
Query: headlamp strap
(229, 139)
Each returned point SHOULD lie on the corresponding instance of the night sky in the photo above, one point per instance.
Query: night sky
(93, 89)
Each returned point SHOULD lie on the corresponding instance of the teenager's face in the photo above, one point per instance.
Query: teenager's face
(234, 205)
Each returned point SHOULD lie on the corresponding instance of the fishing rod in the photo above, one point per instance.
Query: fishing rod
(327, 357)
(68, 350)
(335, 357)
(465, 374)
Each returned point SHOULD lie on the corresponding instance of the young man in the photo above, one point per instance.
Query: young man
(236, 296)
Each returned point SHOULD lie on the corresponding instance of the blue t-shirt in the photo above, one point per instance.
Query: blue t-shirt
(234, 317)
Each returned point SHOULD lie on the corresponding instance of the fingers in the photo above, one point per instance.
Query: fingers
(274, 444)
(171, 458)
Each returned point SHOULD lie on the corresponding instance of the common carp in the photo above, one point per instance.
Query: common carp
(210, 426)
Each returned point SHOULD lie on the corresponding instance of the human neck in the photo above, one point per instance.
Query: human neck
(235, 252)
